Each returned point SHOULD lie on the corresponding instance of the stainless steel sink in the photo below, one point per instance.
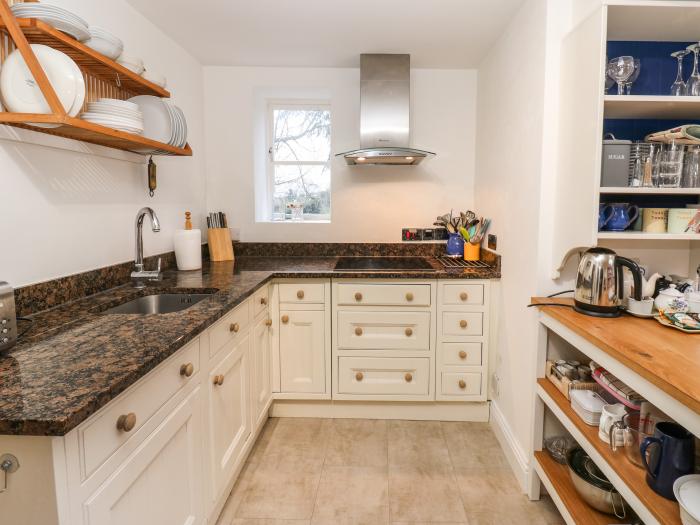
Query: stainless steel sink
(164, 303)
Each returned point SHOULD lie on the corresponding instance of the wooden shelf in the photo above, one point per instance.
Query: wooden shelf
(663, 510)
(557, 479)
(651, 107)
(74, 128)
(641, 236)
(649, 191)
(89, 60)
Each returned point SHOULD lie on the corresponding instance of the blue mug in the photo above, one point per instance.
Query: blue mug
(622, 217)
(604, 215)
(455, 245)
(671, 454)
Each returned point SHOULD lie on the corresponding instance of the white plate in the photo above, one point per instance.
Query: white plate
(106, 35)
(52, 6)
(184, 125)
(61, 20)
(21, 93)
(114, 110)
(103, 46)
(35, 8)
(157, 124)
(118, 103)
(175, 131)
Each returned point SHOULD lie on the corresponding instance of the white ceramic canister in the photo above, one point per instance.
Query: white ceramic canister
(188, 249)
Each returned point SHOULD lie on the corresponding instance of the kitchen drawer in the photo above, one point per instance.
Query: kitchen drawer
(460, 354)
(462, 323)
(461, 383)
(231, 326)
(302, 293)
(462, 294)
(259, 302)
(384, 375)
(384, 330)
(100, 437)
(384, 294)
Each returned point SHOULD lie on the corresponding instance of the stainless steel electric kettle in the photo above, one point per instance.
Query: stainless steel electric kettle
(599, 283)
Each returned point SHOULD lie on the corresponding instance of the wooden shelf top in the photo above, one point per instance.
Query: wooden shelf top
(643, 236)
(651, 107)
(664, 510)
(667, 358)
(38, 32)
(626, 190)
(579, 510)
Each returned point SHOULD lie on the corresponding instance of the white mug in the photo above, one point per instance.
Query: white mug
(609, 415)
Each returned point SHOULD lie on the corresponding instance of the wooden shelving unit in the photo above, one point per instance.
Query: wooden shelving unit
(103, 78)
(556, 477)
(633, 477)
(651, 107)
(649, 191)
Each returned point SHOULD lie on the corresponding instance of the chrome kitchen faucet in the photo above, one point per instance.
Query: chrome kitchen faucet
(139, 274)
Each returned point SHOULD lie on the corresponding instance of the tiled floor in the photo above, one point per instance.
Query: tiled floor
(357, 472)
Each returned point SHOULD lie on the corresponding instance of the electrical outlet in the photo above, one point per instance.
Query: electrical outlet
(492, 241)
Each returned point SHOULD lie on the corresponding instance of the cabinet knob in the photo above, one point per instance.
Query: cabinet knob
(358, 296)
(462, 354)
(263, 300)
(234, 327)
(409, 296)
(300, 294)
(462, 384)
(126, 422)
(408, 377)
(463, 323)
(285, 319)
(187, 369)
(359, 376)
(409, 332)
(219, 379)
(358, 331)
(464, 296)
(268, 322)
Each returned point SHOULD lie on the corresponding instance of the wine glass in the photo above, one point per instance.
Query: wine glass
(620, 69)
(633, 77)
(608, 82)
(678, 88)
(692, 86)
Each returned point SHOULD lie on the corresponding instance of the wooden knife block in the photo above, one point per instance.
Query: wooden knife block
(220, 245)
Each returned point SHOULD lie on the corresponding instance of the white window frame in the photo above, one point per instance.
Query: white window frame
(323, 105)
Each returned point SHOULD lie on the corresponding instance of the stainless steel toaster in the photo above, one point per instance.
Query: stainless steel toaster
(8, 318)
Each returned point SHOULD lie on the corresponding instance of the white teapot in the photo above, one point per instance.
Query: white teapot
(671, 299)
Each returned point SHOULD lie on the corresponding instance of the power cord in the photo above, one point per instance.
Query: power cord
(30, 321)
(553, 304)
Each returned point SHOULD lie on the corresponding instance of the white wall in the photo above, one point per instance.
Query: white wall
(368, 204)
(67, 207)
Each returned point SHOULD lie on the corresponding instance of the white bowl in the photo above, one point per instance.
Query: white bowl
(103, 46)
(686, 489)
(131, 67)
(130, 59)
(103, 33)
(156, 78)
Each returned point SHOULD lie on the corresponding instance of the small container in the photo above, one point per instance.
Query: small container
(472, 252)
(643, 307)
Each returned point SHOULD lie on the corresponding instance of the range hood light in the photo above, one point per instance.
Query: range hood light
(409, 158)
(361, 159)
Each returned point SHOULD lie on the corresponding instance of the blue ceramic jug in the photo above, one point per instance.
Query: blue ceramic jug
(671, 456)
(623, 215)
(455, 245)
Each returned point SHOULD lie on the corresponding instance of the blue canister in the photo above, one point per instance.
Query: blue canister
(623, 215)
(455, 245)
(671, 454)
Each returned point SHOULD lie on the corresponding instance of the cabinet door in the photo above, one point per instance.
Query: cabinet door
(229, 413)
(262, 371)
(160, 484)
(302, 352)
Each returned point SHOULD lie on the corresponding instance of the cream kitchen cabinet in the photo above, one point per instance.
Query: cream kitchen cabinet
(261, 359)
(302, 351)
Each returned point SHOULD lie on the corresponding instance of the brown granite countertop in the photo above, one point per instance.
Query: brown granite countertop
(74, 359)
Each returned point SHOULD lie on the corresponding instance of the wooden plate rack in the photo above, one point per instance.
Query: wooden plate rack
(104, 78)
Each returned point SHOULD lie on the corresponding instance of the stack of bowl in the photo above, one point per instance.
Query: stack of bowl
(131, 63)
(105, 42)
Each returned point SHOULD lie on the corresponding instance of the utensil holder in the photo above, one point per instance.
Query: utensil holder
(220, 245)
(472, 252)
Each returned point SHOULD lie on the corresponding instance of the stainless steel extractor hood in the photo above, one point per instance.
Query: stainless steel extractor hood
(385, 108)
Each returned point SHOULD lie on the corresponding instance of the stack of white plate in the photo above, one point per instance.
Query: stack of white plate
(131, 63)
(105, 42)
(58, 17)
(20, 92)
(115, 114)
(163, 121)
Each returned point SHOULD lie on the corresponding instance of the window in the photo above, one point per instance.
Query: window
(299, 169)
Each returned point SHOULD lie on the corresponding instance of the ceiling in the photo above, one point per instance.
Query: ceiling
(332, 33)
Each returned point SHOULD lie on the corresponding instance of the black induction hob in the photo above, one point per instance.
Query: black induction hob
(383, 264)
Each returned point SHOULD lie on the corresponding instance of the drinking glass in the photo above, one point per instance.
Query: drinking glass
(620, 70)
(678, 87)
(691, 168)
(651, 165)
(609, 82)
(671, 165)
(692, 86)
(633, 77)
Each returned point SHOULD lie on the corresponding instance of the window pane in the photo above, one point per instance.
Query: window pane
(301, 135)
(301, 184)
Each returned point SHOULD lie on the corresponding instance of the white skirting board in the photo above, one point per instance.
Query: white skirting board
(517, 458)
(478, 412)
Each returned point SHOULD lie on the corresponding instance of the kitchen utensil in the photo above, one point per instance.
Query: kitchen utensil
(588, 405)
(610, 415)
(667, 456)
(671, 163)
(679, 219)
(592, 485)
(686, 489)
(654, 220)
(620, 70)
(472, 251)
(629, 433)
(559, 446)
(678, 87)
(599, 282)
(623, 215)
